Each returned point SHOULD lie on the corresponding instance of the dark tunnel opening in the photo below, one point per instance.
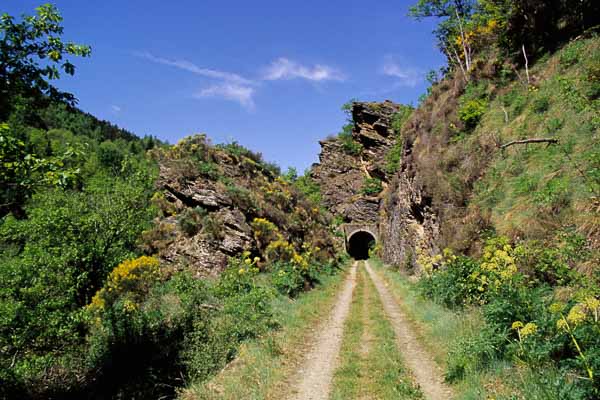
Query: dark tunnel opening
(359, 245)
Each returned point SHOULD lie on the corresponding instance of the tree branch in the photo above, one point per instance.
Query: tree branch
(526, 64)
(532, 140)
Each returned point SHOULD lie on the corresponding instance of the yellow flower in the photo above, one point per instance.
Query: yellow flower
(556, 308)
(576, 315)
(592, 303)
(562, 324)
(241, 271)
(529, 329)
(248, 261)
(129, 306)
(256, 259)
(517, 325)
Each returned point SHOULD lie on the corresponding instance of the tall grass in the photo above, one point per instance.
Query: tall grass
(440, 329)
(263, 367)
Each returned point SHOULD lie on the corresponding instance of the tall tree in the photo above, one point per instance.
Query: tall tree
(32, 54)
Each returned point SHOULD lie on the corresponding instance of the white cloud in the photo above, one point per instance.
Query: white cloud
(283, 68)
(405, 76)
(193, 68)
(230, 91)
(115, 108)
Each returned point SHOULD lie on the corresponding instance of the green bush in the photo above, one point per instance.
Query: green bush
(371, 187)
(394, 157)
(474, 352)
(350, 145)
(471, 111)
(452, 284)
(288, 279)
(540, 104)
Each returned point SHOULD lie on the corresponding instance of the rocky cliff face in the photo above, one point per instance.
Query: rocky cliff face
(402, 210)
(342, 171)
(209, 196)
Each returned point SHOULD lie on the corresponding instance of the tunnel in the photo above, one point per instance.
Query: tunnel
(359, 245)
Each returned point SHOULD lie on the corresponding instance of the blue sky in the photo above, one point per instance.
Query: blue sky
(271, 75)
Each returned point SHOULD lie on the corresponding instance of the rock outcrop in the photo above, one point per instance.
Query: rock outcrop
(402, 211)
(209, 196)
(341, 173)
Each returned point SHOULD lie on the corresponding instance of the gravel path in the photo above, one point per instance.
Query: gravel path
(314, 377)
(426, 372)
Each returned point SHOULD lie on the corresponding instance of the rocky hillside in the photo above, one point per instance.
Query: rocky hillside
(455, 178)
(213, 200)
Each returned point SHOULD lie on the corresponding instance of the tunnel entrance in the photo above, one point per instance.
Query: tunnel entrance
(359, 245)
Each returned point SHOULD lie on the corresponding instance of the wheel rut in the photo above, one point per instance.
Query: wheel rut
(425, 371)
(313, 381)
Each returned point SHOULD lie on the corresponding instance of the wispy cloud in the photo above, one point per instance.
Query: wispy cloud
(405, 76)
(115, 108)
(284, 68)
(235, 87)
(193, 68)
(230, 91)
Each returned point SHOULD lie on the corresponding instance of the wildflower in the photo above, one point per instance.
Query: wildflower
(241, 271)
(562, 324)
(248, 261)
(577, 314)
(129, 306)
(529, 329)
(517, 325)
(256, 259)
(556, 308)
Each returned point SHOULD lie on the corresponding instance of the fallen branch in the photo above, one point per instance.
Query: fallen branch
(526, 141)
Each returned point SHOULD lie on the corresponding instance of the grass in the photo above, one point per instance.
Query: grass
(438, 327)
(370, 364)
(263, 367)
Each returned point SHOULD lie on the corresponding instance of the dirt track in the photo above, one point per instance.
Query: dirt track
(315, 376)
(313, 379)
(427, 374)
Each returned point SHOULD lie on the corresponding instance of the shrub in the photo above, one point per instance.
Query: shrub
(473, 352)
(190, 221)
(541, 104)
(350, 145)
(448, 279)
(471, 111)
(394, 157)
(400, 117)
(128, 282)
(287, 278)
(371, 186)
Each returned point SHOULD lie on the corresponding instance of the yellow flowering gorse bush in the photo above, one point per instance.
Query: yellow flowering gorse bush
(131, 278)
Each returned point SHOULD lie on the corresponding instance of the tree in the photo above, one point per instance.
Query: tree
(452, 35)
(32, 54)
(22, 171)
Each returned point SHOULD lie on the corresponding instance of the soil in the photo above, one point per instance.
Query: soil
(425, 371)
(314, 377)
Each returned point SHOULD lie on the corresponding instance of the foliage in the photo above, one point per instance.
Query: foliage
(394, 155)
(540, 104)
(33, 54)
(22, 171)
(371, 186)
(521, 319)
(309, 187)
(471, 111)
(349, 145)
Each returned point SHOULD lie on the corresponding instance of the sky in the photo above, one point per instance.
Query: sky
(271, 75)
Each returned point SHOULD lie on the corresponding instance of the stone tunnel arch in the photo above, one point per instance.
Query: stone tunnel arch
(359, 243)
